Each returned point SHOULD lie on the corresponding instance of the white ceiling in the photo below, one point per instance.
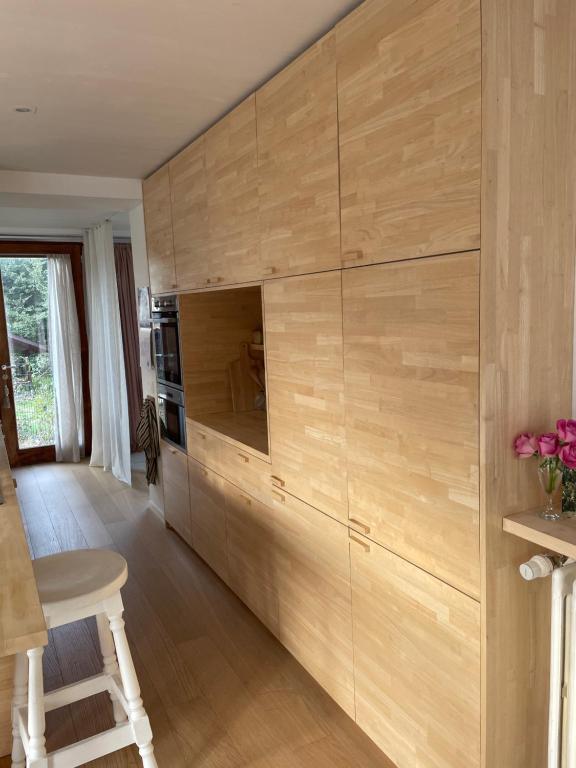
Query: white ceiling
(121, 85)
(58, 222)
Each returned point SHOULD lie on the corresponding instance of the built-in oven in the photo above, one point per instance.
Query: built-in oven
(172, 415)
(166, 340)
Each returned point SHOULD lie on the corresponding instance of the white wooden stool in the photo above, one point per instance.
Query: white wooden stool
(73, 586)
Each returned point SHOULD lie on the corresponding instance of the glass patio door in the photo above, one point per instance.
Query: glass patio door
(26, 385)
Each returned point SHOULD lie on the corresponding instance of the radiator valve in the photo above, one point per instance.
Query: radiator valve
(540, 566)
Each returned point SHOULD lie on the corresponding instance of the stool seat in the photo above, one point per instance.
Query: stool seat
(82, 577)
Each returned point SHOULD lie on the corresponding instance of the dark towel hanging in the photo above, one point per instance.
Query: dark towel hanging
(148, 439)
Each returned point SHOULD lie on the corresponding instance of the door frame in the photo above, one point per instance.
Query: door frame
(38, 248)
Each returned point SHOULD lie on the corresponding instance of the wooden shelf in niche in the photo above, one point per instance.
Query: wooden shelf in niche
(223, 364)
(556, 535)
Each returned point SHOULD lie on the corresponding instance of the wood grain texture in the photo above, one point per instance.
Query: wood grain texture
(208, 517)
(528, 235)
(232, 183)
(409, 119)
(6, 676)
(159, 238)
(244, 469)
(246, 431)
(189, 196)
(417, 661)
(298, 165)
(213, 324)
(304, 365)
(411, 387)
(176, 490)
(552, 535)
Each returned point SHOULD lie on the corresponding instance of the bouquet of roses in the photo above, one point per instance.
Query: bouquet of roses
(554, 448)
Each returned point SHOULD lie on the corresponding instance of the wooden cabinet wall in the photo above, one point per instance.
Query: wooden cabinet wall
(208, 517)
(159, 239)
(176, 490)
(298, 165)
(409, 104)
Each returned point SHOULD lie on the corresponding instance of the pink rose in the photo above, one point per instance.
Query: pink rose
(548, 444)
(566, 430)
(568, 455)
(526, 445)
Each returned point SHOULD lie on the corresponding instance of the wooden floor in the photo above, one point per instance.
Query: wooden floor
(221, 692)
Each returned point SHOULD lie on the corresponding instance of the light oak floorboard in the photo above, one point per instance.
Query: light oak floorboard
(220, 690)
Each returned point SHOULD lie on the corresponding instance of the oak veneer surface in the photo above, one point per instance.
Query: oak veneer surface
(232, 185)
(298, 165)
(528, 235)
(411, 393)
(159, 238)
(176, 491)
(417, 661)
(208, 517)
(213, 325)
(220, 690)
(189, 196)
(556, 535)
(305, 376)
(6, 677)
(409, 127)
(246, 429)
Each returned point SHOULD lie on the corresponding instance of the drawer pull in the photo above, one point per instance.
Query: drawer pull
(270, 270)
(363, 544)
(214, 280)
(277, 481)
(353, 255)
(244, 458)
(279, 496)
(246, 499)
(360, 524)
(201, 435)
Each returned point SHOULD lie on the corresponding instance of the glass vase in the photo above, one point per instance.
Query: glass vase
(550, 475)
(568, 492)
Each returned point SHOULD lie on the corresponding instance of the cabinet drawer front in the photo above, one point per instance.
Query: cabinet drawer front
(313, 583)
(208, 517)
(417, 661)
(252, 561)
(176, 490)
(202, 445)
(411, 344)
(304, 363)
(245, 470)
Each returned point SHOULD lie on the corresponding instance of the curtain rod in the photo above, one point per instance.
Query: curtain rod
(58, 239)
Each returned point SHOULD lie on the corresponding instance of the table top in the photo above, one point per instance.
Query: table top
(22, 624)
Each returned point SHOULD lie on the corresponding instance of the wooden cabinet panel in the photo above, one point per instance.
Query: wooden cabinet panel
(251, 556)
(409, 98)
(245, 470)
(304, 363)
(313, 583)
(176, 490)
(208, 517)
(232, 179)
(158, 223)
(416, 661)
(411, 349)
(202, 445)
(190, 215)
(298, 165)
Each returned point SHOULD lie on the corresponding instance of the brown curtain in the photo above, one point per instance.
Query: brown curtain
(129, 323)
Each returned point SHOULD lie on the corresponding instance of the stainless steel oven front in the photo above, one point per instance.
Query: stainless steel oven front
(172, 415)
(166, 340)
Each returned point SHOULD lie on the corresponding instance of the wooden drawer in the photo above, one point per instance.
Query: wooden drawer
(416, 661)
(202, 445)
(176, 490)
(208, 517)
(312, 578)
(251, 555)
(245, 470)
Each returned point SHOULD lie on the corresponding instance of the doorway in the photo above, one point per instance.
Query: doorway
(26, 381)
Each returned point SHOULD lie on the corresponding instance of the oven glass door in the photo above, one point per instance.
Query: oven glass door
(172, 422)
(167, 351)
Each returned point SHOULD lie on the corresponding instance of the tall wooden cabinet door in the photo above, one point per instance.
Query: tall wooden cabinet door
(252, 562)
(232, 179)
(416, 661)
(313, 583)
(190, 215)
(409, 97)
(158, 223)
(208, 517)
(411, 345)
(176, 490)
(304, 364)
(298, 165)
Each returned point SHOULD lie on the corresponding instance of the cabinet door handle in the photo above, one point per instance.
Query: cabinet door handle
(279, 496)
(277, 481)
(353, 255)
(244, 458)
(201, 435)
(360, 524)
(270, 270)
(214, 280)
(365, 546)
(246, 499)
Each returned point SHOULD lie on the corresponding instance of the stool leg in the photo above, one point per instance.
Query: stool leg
(19, 697)
(138, 717)
(36, 718)
(110, 662)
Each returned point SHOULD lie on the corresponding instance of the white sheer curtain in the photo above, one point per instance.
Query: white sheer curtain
(66, 361)
(110, 417)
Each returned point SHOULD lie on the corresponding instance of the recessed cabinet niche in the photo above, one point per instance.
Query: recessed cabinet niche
(223, 362)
